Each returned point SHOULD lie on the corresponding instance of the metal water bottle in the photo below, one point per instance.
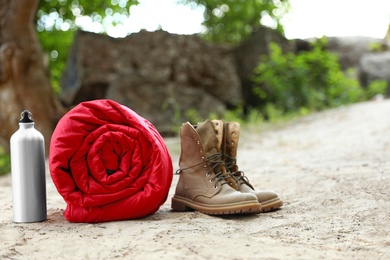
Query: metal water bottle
(28, 172)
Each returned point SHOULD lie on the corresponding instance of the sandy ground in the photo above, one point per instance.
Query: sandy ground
(332, 169)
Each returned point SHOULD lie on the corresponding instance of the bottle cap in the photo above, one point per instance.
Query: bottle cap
(26, 117)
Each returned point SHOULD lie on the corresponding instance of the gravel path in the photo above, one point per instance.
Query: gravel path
(332, 169)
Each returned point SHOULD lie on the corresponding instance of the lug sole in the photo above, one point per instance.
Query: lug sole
(183, 204)
(271, 204)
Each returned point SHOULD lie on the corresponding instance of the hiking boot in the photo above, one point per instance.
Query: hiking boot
(269, 200)
(204, 183)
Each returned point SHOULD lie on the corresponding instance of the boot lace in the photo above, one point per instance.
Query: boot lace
(239, 176)
(214, 160)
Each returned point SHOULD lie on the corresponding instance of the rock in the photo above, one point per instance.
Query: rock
(375, 66)
(368, 56)
(165, 105)
(148, 70)
(350, 49)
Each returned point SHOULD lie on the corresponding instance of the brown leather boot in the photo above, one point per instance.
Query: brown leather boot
(203, 184)
(269, 200)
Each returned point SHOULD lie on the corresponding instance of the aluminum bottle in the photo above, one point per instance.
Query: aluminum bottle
(28, 172)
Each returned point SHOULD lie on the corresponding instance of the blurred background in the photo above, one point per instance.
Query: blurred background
(171, 61)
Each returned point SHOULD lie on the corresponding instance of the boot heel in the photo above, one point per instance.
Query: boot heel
(179, 206)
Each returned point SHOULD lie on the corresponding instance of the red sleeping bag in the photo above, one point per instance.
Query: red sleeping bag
(109, 163)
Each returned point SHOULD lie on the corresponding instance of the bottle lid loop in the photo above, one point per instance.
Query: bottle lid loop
(26, 117)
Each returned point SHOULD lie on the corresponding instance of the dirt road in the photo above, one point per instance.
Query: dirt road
(332, 169)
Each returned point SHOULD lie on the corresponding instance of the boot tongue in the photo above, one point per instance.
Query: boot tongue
(232, 134)
(208, 137)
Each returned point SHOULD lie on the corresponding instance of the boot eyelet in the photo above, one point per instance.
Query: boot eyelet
(232, 143)
(205, 166)
(211, 180)
(197, 142)
(215, 186)
(202, 157)
(208, 174)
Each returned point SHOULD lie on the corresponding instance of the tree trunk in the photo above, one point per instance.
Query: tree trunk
(24, 76)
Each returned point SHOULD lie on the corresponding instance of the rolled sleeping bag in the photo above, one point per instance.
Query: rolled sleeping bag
(108, 163)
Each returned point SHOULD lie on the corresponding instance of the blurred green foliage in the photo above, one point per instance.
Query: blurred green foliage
(57, 21)
(231, 21)
(5, 164)
(377, 47)
(56, 44)
(307, 81)
(69, 9)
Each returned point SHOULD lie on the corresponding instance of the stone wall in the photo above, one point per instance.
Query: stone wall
(159, 75)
